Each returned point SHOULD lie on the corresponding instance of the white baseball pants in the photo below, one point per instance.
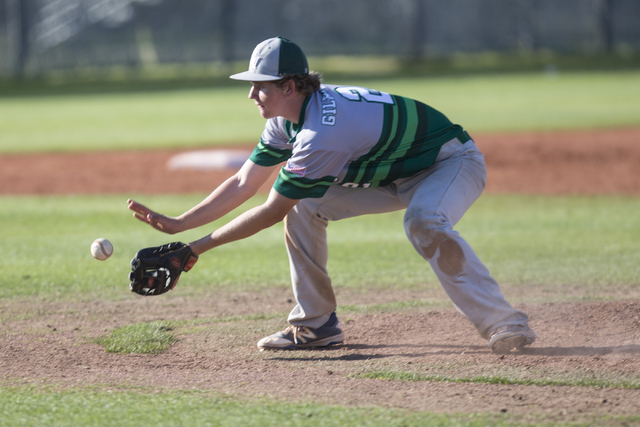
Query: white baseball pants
(435, 201)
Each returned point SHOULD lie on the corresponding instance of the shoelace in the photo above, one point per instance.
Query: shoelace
(526, 332)
(300, 331)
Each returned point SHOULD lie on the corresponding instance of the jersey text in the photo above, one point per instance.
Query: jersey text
(329, 109)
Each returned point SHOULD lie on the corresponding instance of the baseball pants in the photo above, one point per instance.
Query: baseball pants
(435, 200)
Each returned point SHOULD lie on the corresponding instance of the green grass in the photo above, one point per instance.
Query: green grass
(139, 338)
(128, 120)
(224, 115)
(591, 243)
(587, 245)
(533, 101)
(45, 247)
(28, 407)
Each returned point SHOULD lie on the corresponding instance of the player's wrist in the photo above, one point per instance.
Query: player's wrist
(179, 224)
(198, 247)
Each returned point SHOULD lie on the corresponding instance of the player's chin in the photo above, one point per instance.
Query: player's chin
(264, 113)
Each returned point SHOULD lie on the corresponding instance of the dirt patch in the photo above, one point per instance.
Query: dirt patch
(586, 162)
(52, 343)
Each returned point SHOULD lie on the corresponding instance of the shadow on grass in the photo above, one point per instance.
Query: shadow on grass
(319, 354)
(322, 353)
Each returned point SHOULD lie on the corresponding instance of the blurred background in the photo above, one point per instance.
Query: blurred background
(73, 38)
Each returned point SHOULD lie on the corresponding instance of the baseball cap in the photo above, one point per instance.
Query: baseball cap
(273, 59)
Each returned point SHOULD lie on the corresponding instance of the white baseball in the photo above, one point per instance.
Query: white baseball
(101, 249)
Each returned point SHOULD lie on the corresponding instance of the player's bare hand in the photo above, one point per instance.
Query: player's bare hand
(156, 220)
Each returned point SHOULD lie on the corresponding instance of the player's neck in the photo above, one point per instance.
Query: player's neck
(294, 107)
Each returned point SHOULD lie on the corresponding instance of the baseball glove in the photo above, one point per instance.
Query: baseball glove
(156, 270)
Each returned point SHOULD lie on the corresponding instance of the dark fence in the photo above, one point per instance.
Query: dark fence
(37, 36)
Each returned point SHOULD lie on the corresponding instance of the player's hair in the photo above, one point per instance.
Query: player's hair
(305, 84)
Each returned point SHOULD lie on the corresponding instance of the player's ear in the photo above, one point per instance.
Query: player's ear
(289, 87)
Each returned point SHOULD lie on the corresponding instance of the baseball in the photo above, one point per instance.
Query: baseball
(101, 249)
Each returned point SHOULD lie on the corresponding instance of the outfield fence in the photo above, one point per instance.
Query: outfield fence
(38, 36)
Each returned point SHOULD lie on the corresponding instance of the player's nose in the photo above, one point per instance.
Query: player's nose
(252, 92)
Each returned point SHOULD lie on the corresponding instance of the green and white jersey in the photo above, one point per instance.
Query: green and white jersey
(354, 137)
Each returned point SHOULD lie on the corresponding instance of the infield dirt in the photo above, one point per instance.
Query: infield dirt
(52, 343)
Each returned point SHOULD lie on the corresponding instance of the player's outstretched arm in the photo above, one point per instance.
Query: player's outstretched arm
(156, 220)
(247, 224)
(228, 196)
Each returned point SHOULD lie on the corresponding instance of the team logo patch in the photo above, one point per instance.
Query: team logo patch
(297, 171)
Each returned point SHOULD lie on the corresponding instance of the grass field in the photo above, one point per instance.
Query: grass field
(123, 408)
(526, 240)
(224, 115)
(567, 248)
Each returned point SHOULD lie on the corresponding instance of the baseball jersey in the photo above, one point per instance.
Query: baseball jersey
(354, 137)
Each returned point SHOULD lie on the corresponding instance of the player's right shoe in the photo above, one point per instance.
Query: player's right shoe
(305, 337)
(513, 337)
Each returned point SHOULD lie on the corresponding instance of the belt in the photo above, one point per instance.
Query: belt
(463, 137)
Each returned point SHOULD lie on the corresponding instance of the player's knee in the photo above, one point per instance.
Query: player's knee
(425, 231)
(418, 223)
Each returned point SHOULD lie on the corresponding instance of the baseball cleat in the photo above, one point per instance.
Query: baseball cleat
(305, 337)
(507, 338)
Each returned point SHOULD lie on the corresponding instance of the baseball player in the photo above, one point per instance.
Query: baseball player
(345, 151)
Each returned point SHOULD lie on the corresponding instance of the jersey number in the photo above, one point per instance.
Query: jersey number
(354, 93)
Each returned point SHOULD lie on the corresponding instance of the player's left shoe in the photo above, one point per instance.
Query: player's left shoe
(305, 337)
(514, 337)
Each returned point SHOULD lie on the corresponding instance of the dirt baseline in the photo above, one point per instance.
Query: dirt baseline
(585, 162)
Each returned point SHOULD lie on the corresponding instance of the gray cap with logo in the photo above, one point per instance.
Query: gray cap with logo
(273, 59)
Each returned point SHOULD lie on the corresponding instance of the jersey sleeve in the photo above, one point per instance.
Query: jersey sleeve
(294, 187)
(309, 173)
(275, 144)
(267, 155)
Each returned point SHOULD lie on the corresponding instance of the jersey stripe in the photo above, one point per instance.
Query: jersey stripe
(265, 155)
(421, 133)
(401, 121)
(411, 136)
(292, 186)
(358, 167)
(393, 158)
